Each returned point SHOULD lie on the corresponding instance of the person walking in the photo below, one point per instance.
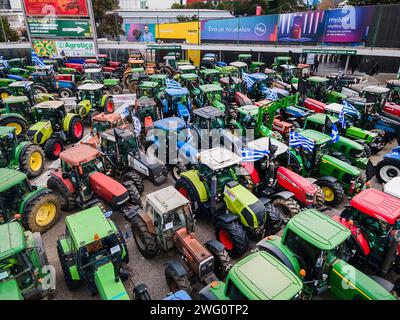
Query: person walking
(316, 64)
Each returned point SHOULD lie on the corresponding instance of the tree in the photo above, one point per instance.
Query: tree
(108, 25)
(7, 33)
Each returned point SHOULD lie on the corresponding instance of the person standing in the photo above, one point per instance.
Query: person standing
(316, 64)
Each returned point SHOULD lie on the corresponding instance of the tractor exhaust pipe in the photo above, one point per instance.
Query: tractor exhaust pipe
(213, 199)
(392, 250)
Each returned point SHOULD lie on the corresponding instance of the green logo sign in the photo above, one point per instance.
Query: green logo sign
(51, 28)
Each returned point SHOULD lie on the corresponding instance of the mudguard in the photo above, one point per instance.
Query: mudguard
(13, 115)
(20, 149)
(227, 217)
(67, 121)
(276, 252)
(83, 108)
(64, 84)
(328, 178)
(193, 177)
(283, 194)
(67, 182)
(111, 82)
(218, 246)
(108, 288)
(394, 154)
(177, 267)
(32, 195)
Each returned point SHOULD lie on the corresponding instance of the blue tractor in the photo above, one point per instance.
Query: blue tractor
(177, 102)
(389, 167)
(46, 82)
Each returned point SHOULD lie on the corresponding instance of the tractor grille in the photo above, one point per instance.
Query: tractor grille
(206, 267)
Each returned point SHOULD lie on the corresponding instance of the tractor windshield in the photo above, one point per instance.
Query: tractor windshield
(22, 108)
(54, 115)
(17, 267)
(7, 145)
(92, 166)
(90, 95)
(9, 200)
(100, 126)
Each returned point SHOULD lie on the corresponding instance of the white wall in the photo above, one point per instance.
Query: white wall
(15, 4)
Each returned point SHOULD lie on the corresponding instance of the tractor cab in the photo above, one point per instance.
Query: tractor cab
(186, 68)
(27, 88)
(287, 72)
(191, 82)
(230, 85)
(254, 66)
(317, 87)
(259, 276)
(210, 76)
(148, 89)
(278, 61)
(377, 95)
(161, 79)
(247, 117)
(208, 118)
(231, 71)
(208, 61)
(93, 94)
(394, 86)
(303, 71)
(96, 252)
(54, 111)
(135, 63)
(241, 66)
(19, 105)
(93, 75)
(147, 111)
(102, 122)
(212, 95)
(177, 102)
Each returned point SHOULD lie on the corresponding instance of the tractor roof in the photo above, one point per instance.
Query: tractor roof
(170, 124)
(262, 144)
(123, 133)
(210, 71)
(208, 112)
(50, 105)
(144, 101)
(158, 76)
(394, 82)
(106, 117)
(186, 67)
(79, 154)
(15, 99)
(189, 76)
(334, 107)
(210, 87)
(148, 84)
(136, 61)
(317, 79)
(219, 158)
(250, 110)
(91, 86)
(288, 66)
(87, 225)
(376, 89)
(166, 200)
(244, 55)
(183, 63)
(268, 71)
(377, 204)
(93, 70)
(225, 80)
(12, 239)
(316, 136)
(10, 178)
(20, 84)
(210, 55)
(318, 229)
(258, 76)
(283, 58)
(177, 92)
(238, 64)
(320, 118)
(263, 277)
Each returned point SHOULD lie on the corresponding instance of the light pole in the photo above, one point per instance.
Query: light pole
(2, 28)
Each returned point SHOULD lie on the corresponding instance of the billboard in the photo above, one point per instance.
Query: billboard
(258, 28)
(348, 24)
(140, 32)
(187, 31)
(47, 28)
(73, 48)
(56, 7)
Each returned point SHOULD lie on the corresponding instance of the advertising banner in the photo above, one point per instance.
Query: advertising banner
(140, 32)
(47, 28)
(56, 7)
(258, 28)
(187, 31)
(348, 24)
(51, 48)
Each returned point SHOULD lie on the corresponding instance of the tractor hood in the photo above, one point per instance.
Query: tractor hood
(108, 189)
(105, 282)
(341, 165)
(35, 132)
(9, 290)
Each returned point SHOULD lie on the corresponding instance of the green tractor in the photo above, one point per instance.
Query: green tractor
(321, 89)
(313, 247)
(191, 82)
(230, 85)
(211, 95)
(26, 156)
(93, 98)
(54, 127)
(280, 60)
(38, 208)
(23, 264)
(210, 76)
(213, 190)
(254, 66)
(259, 276)
(5, 90)
(93, 252)
(228, 71)
(96, 75)
(335, 177)
(161, 79)
(242, 67)
(28, 89)
(17, 112)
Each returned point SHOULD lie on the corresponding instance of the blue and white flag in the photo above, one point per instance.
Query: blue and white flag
(334, 134)
(297, 140)
(247, 79)
(172, 84)
(3, 62)
(342, 119)
(270, 94)
(349, 109)
(137, 126)
(251, 155)
(189, 136)
(36, 60)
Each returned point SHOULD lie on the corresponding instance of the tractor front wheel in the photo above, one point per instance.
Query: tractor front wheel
(42, 213)
(71, 283)
(117, 89)
(288, 208)
(222, 261)
(319, 198)
(134, 195)
(135, 178)
(20, 125)
(175, 282)
(32, 161)
(53, 147)
(233, 236)
(333, 192)
(387, 169)
(67, 199)
(75, 129)
(146, 242)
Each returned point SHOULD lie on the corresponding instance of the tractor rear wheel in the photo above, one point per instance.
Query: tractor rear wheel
(20, 125)
(134, 195)
(288, 208)
(133, 86)
(146, 242)
(5, 93)
(31, 161)
(65, 93)
(189, 192)
(71, 283)
(75, 129)
(42, 213)
(135, 178)
(222, 261)
(126, 80)
(333, 192)
(319, 198)
(117, 89)
(175, 282)
(387, 169)
(39, 88)
(67, 199)
(53, 147)
(233, 236)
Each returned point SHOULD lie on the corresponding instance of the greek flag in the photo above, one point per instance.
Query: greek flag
(251, 155)
(172, 84)
(297, 140)
(247, 79)
(137, 127)
(334, 134)
(270, 94)
(36, 60)
(342, 119)
(4, 62)
(349, 109)
(189, 136)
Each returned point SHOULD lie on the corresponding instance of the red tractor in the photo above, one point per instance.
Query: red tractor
(373, 217)
(81, 183)
(287, 189)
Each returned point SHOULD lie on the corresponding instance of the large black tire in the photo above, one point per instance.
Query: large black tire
(146, 242)
(175, 282)
(117, 89)
(71, 283)
(75, 129)
(233, 236)
(53, 147)
(39, 88)
(15, 122)
(177, 169)
(319, 198)
(188, 191)
(5, 93)
(65, 93)
(133, 85)
(135, 178)
(288, 208)
(222, 261)
(333, 192)
(387, 169)
(134, 195)
(27, 161)
(126, 80)
(45, 204)
(67, 199)
(141, 293)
